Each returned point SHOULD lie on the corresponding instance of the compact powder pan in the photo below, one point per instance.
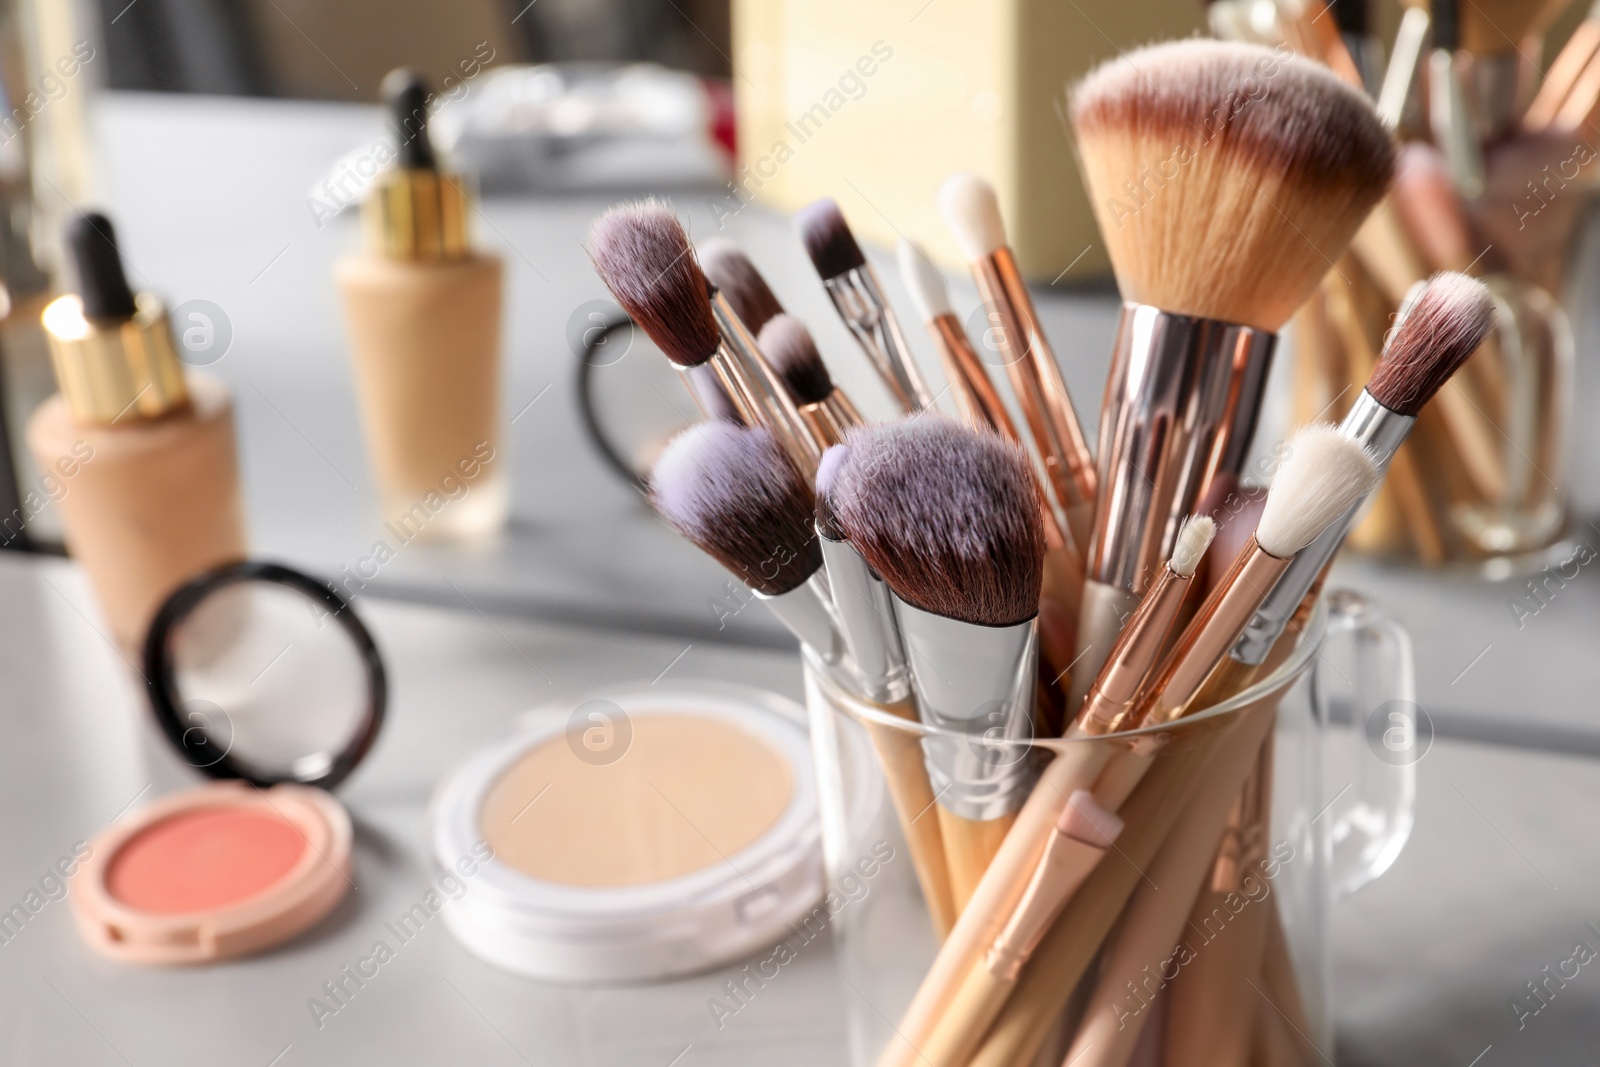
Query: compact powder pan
(263, 852)
(642, 833)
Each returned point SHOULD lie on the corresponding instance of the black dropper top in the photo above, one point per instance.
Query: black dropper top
(1446, 25)
(102, 286)
(406, 94)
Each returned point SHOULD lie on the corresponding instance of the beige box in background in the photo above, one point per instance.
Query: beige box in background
(875, 103)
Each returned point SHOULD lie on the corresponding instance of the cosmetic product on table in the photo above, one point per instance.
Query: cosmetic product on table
(148, 448)
(422, 310)
(654, 831)
(265, 681)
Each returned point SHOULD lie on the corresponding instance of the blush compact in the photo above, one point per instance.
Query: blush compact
(265, 681)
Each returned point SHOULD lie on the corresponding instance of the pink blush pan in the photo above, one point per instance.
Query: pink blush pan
(211, 873)
(202, 860)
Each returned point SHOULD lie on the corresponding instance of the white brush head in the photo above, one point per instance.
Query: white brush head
(972, 212)
(1324, 476)
(1194, 537)
(924, 281)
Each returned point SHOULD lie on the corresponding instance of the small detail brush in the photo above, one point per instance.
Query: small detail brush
(972, 211)
(1214, 244)
(789, 348)
(733, 492)
(858, 296)
(1446, 323)
(976, 397)
(948, 517)
(747, 292)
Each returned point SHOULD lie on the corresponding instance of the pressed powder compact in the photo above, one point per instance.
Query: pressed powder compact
(264, 680)
(644, 833)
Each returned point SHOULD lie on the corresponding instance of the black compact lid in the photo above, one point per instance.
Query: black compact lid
(258, 672)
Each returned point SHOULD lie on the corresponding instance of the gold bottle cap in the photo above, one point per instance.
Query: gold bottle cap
(417, 214)
(115, 370)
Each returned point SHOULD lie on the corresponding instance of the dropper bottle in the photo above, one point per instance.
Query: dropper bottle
(422, 310)
(144, 451)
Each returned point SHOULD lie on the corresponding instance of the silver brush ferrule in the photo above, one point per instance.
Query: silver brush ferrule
(1181, 406)
(775, 409)
(976, 683)
(808, 614)
(1380, 431)
(866, 622)
(858, 296)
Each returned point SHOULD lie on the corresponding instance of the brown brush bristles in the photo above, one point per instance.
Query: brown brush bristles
(827, 238)
(1445, 325)
(642, 253)
(733, 492)
(948, 516)
(1227, 178)
(788, 346)
(731, 271)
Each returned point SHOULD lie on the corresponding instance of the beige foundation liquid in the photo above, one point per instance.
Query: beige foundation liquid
(422, 311)
(146, 453)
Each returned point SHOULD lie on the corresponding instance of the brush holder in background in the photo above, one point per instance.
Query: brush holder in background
(1343, 787)
(1482, 478)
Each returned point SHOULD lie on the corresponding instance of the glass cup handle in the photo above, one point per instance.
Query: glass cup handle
(1364, 682)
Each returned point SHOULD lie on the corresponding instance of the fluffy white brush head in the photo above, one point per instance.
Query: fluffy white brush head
(1194, 537)
(1324, 476)
(972, 212)
(926, 284)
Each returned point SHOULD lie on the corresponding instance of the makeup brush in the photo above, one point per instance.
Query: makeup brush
(858, 296)
(1449, 110)
(866, 620)
(1501, 76)
(1000, 891)
(734, 493)
(730, 270)
(1562, 77)
(642, 253)
(972, 212)
(826, 410)
(1445, 324)
(948, 518)
(1225, 178)
(1323, 478)
(1405, 58)
(976, 397)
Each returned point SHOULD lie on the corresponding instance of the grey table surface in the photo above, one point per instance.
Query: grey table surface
(1497, 882)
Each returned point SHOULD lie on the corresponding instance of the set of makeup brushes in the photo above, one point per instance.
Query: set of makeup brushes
(1495, 171)
(979, 582)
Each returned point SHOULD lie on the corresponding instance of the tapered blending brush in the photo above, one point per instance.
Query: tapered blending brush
(642, 253)
(1445, 324)
(948, 518)
(1000, 892)
(866, 621)
(858, 296)
(747, 292)
(826, 410)
(734, 493)
(976, 397)
(1226, 178)
(972, 212)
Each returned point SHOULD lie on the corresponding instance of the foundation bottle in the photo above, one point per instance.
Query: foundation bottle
(145, 451)
(423, 314)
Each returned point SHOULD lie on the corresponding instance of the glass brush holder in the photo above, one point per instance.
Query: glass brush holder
(1333, 792)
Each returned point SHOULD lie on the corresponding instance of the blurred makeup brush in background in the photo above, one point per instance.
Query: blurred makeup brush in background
(789, 348)
(948, 517)
(1226, 179)
(1450, 115)
(858, 296)
(730, 270)
(733, 492)
(972, 212)
(642, 253)
(976, 397)
(1447, 320)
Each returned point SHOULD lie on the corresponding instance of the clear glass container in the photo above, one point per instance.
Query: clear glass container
(1344, 740)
